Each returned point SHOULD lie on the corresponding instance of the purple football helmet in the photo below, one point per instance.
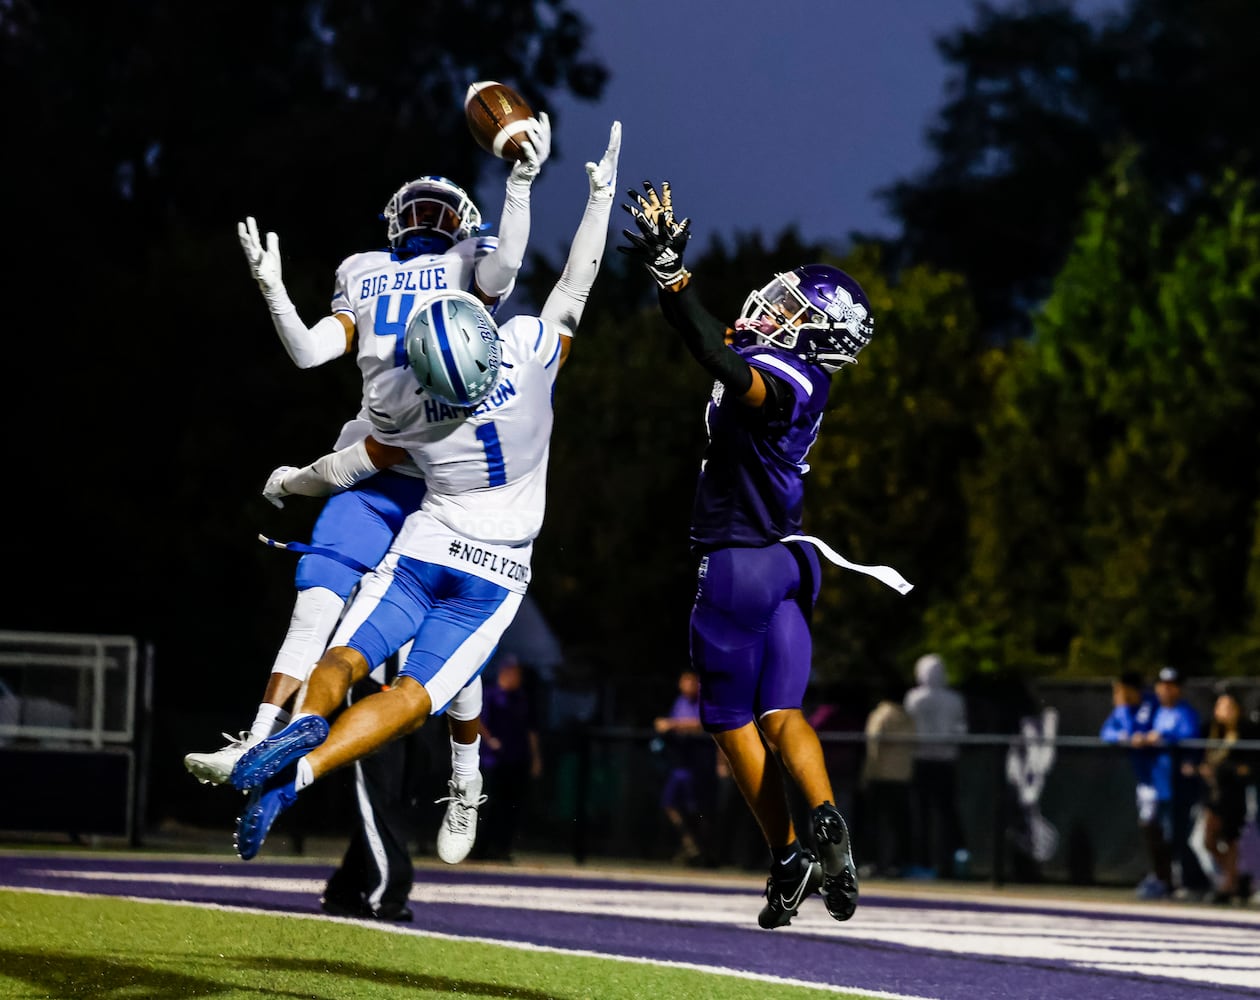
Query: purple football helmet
(816, 312)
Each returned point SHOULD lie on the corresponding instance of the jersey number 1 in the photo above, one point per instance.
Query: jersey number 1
(488, 435)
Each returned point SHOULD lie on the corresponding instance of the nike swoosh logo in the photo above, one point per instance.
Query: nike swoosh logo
(795, 899)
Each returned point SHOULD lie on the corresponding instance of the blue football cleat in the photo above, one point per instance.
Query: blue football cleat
(268, 758)
(264, 805)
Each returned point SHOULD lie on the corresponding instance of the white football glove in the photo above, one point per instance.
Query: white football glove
(274, 489)
(263, 264)
(603, 175)
(536, 150)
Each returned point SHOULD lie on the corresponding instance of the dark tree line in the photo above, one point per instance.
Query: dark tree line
(146, 393)
(1040, 100)
(1052, 435)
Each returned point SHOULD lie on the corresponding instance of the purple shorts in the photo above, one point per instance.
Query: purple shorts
(750, 638)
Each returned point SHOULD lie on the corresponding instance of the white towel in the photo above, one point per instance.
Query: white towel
(884, 574)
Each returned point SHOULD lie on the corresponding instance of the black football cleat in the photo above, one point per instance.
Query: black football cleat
(360, 909)
(784, 896)
(831, 840)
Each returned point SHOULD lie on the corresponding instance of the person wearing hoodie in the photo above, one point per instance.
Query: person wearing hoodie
(939, 715)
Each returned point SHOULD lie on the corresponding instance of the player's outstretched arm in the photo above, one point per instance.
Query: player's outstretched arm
(567, 300)
(307, 346)
(496, 271)
(335, 472)
(658, 245)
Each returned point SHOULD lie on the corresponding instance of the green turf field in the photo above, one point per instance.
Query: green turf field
(84, 946)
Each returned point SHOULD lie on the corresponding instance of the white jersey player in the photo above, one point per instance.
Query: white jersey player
(473, 413)
(435, 243)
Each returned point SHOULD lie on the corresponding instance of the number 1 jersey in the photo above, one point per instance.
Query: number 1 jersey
(485, 466)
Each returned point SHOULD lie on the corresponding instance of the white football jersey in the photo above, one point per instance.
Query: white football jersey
(380, 292)
(485, 466)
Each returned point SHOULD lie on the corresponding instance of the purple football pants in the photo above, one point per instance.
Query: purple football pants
(750, 638)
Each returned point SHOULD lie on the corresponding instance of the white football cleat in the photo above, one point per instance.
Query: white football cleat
(458, 832)
(215, 768)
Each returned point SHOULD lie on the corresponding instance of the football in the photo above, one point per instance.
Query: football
(498, 118)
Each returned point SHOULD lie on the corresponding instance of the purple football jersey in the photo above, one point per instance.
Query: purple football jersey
(751, 487)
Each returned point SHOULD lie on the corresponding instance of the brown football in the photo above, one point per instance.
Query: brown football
(498, 118)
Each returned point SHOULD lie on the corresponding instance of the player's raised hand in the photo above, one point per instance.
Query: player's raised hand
(536, 149)
(661, 240)
(652, 206)
(264, 264)
(603, 175)
(274, 490)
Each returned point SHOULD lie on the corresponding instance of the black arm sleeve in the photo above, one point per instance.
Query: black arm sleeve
(705, 337)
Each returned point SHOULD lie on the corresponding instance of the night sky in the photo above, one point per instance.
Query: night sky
(758, 121)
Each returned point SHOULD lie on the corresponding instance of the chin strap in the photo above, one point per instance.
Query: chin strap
(414, 246)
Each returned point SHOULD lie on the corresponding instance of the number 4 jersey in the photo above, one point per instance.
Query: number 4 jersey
(485, 466)
(379, 291)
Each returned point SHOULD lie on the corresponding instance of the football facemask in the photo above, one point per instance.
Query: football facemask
(430, 215)
(816, 312)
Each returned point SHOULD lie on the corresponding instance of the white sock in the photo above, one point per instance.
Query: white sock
(466, 760)
(304, 775)
(269, 721)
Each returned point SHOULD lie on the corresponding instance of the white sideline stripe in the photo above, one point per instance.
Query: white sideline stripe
(1225, 977)
(1201, 953)
(517, 945)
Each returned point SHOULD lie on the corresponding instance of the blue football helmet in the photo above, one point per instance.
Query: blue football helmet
(816, 312)
(453, 349)
(430, 215)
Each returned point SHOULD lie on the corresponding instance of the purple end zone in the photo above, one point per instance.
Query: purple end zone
(792, 953)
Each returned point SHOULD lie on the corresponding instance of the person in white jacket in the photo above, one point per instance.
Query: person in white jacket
(939, 713)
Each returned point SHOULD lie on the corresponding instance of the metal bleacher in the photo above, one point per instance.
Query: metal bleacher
(72, 757)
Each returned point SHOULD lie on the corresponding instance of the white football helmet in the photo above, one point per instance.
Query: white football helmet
(453, 349)
(430, 215)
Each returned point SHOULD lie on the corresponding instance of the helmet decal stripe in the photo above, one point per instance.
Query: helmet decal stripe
(453, 350)
(456, 381)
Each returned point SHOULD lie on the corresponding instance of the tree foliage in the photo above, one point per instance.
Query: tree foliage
(1113, 512)
(158, 398)
(884, 484)
(1041, 99)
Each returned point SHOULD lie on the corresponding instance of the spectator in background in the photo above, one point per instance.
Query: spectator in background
(686, 749)
(1226, 772)
(511, 757)
(939, 713)
(1132, 714)
(1175, 720)
(886, 776)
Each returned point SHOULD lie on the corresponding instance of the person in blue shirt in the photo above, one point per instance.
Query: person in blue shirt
(1132, 714)
(1175, 720)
